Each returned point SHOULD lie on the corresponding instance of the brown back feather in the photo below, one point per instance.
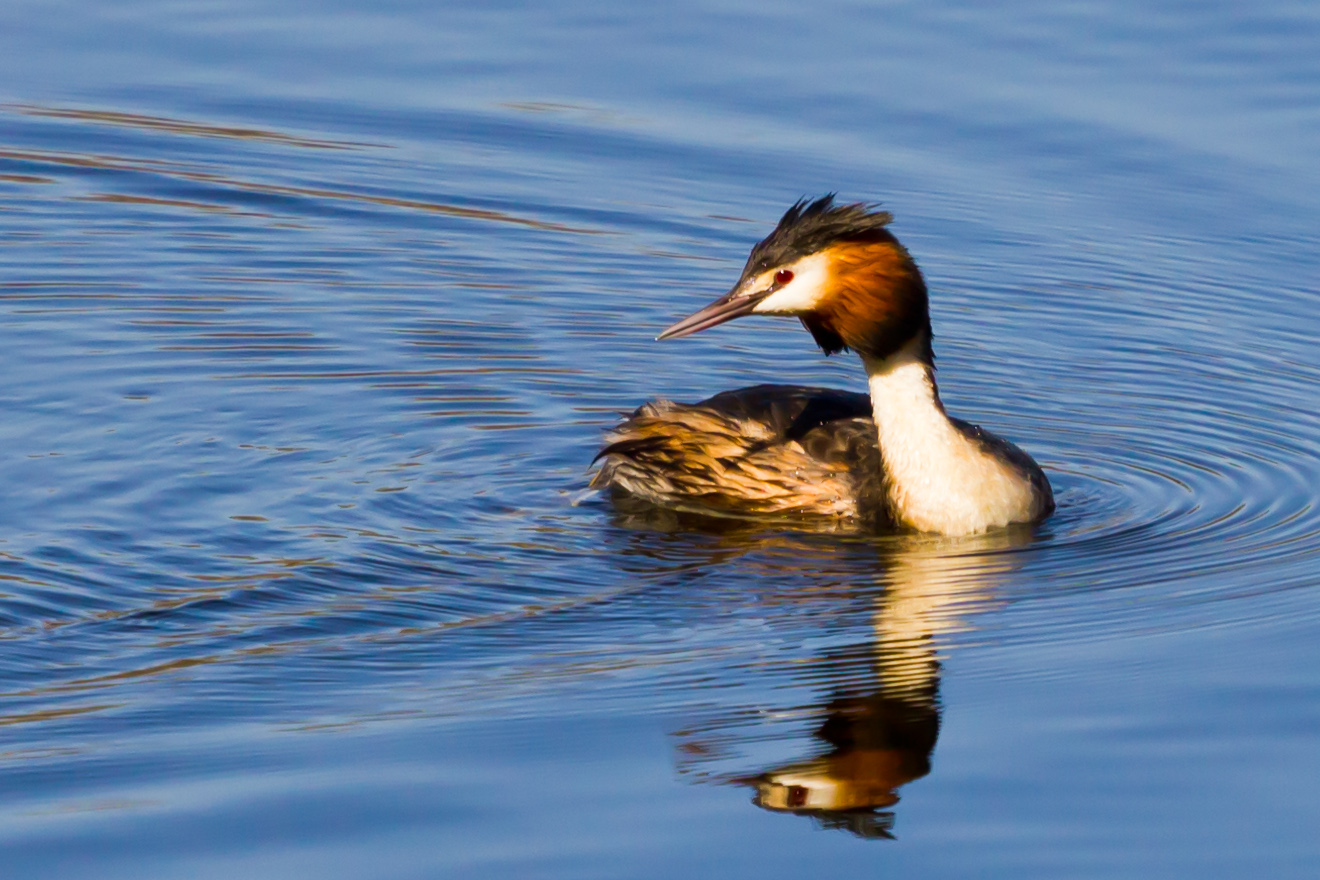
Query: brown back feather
(768, 449)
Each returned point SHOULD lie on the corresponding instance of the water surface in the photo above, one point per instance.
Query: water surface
(313, 320)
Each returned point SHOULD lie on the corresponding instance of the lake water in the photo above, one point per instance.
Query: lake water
(312, 323)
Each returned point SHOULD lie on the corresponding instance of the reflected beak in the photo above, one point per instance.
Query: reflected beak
(733, 304)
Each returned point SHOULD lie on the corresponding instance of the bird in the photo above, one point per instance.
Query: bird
(890, 460)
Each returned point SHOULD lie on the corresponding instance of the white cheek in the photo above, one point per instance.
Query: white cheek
(802, 293)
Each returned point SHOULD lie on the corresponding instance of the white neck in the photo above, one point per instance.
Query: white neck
(938, 479)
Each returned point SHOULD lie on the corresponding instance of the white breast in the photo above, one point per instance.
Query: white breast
(939, 479)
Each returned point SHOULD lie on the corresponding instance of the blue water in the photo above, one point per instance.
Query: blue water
(313, 319)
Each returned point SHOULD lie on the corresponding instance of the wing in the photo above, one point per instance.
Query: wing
(768, 449)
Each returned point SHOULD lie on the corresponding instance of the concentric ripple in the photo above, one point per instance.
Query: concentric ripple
(270, 416)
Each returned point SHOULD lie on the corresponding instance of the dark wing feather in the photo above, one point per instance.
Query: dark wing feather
(759, 450)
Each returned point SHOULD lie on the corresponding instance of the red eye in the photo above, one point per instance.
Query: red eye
(783, 276)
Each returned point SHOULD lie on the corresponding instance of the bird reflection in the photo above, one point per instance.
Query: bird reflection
(883, 739)
(876, 746)
(874, 727)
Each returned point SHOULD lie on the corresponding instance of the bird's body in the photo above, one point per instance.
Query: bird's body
(893, 458)
(765, 450)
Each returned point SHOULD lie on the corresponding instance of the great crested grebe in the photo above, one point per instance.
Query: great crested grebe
(897, 459)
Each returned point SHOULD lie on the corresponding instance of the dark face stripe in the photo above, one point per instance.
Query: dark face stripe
(811, 227)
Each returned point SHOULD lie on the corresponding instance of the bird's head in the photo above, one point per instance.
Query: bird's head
(838, 269)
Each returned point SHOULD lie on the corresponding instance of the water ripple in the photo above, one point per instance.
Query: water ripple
(337, 420)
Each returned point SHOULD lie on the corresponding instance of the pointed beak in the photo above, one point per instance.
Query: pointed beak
(733, 304)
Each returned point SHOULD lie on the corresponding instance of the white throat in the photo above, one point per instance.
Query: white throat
(938, 479)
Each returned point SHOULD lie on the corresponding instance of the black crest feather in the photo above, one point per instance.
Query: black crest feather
(810, 226)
